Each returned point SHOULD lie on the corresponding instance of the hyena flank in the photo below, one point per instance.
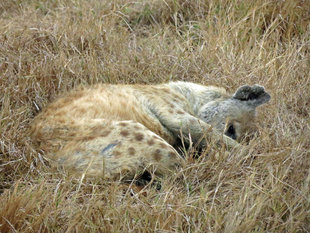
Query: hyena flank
(120, 131)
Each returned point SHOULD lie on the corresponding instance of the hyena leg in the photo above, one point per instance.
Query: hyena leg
(179, 121)
(123, 151)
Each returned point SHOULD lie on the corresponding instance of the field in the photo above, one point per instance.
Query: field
(48, 47)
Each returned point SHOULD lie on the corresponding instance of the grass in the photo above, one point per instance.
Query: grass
(49, 47)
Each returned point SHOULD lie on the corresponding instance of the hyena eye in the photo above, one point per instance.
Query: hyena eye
(231, 132)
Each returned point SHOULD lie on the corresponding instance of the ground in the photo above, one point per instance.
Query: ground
(50, 47)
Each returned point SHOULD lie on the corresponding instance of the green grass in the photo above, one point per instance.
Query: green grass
(50, 47)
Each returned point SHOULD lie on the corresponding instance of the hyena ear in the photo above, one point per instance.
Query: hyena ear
(253, 96)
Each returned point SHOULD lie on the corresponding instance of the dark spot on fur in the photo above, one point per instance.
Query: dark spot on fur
(124, 133)
(157, 155)
(117, 153)
(123, 124)
(180, 112)
(83, 110)
(105, 133)
(131, 151)
(169, 104)
(88, 138)
(150, 142)
(172, 155)
(170, 111)
(139, 136)
(61, 121)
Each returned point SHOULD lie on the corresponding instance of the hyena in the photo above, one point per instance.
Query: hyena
(120, 131)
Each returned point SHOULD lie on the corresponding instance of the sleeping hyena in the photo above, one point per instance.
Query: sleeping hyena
(120, 131)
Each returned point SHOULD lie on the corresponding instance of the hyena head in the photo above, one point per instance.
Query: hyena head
(235, 115)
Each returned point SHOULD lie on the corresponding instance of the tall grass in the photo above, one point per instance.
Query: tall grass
(49, 47)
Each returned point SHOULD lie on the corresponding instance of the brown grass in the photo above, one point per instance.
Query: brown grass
(50, 46)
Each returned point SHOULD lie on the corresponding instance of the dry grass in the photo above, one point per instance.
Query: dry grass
(50, 46)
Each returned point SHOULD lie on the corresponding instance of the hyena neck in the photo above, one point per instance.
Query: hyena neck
(197, 95)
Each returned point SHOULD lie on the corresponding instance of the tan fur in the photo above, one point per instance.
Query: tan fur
(119, 131)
